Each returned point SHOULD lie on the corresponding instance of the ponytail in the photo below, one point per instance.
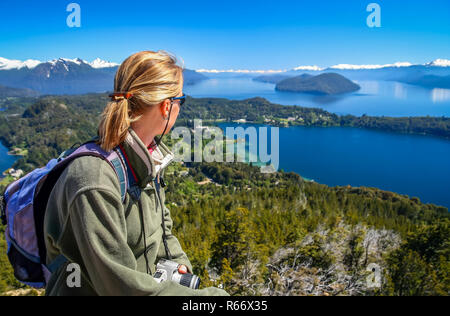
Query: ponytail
(143, 80)
(114, 124)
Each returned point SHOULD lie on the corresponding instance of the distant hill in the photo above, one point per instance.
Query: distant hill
(67, 76)
(7, 92)
(400, 71)
(391, 73)
(328, 83)
(430, 81)
(192, 77)
(272, 78)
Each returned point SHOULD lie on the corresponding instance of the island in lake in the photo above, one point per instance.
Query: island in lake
(323, 84)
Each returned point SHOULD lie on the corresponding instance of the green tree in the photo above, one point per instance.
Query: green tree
(421, 265)
(235, 239)
(354, 252)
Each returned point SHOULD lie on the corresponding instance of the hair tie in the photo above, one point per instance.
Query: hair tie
(120, 96)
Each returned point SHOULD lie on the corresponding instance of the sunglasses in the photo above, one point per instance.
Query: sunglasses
(182, 99)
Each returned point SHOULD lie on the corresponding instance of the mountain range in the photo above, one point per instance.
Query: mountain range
(436, 64)
(67, 76)
(435, 74)
(402, 72)
(77, 76)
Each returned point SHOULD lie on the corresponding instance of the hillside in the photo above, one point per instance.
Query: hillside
(192, 77)
(430, 81)
(272, 78)
(8, 92)
(328, 84)
(278, 235)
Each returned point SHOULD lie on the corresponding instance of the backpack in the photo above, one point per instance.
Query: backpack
(23, 207)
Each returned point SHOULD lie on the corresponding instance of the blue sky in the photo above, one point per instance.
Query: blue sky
(226, 34)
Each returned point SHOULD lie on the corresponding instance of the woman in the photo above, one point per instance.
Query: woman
(117, 243)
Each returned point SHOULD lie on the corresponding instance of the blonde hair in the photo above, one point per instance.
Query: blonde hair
(148, 78)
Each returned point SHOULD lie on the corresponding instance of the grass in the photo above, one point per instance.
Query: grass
(6, 181)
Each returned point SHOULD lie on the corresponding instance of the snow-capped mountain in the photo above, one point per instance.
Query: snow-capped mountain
(309, 68)
(66, 76)
(58, 76)
(439, 63)
(7, 64)
(370, 67)
(98, 63)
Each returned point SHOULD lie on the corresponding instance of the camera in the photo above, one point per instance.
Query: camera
(171, 271)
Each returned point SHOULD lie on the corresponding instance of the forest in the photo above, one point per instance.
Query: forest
(266, 234)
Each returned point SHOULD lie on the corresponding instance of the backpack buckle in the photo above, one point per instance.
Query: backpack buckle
(135, 192)
(3, 210)
(163, 183)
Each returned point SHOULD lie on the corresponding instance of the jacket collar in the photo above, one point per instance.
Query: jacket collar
(144, 166)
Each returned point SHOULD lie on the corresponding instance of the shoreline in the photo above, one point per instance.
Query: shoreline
(327, 126)
(11, 153)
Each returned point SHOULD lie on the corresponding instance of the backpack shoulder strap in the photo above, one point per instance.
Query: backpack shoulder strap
(121, 171)
(114, 159)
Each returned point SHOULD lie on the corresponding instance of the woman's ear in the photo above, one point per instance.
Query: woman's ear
(165, 108)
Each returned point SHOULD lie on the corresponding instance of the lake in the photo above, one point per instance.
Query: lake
(414, 165)
(375, 98)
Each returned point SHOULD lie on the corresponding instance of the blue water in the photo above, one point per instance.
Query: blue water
(414, 165)
(6, 161)
(375, 98)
